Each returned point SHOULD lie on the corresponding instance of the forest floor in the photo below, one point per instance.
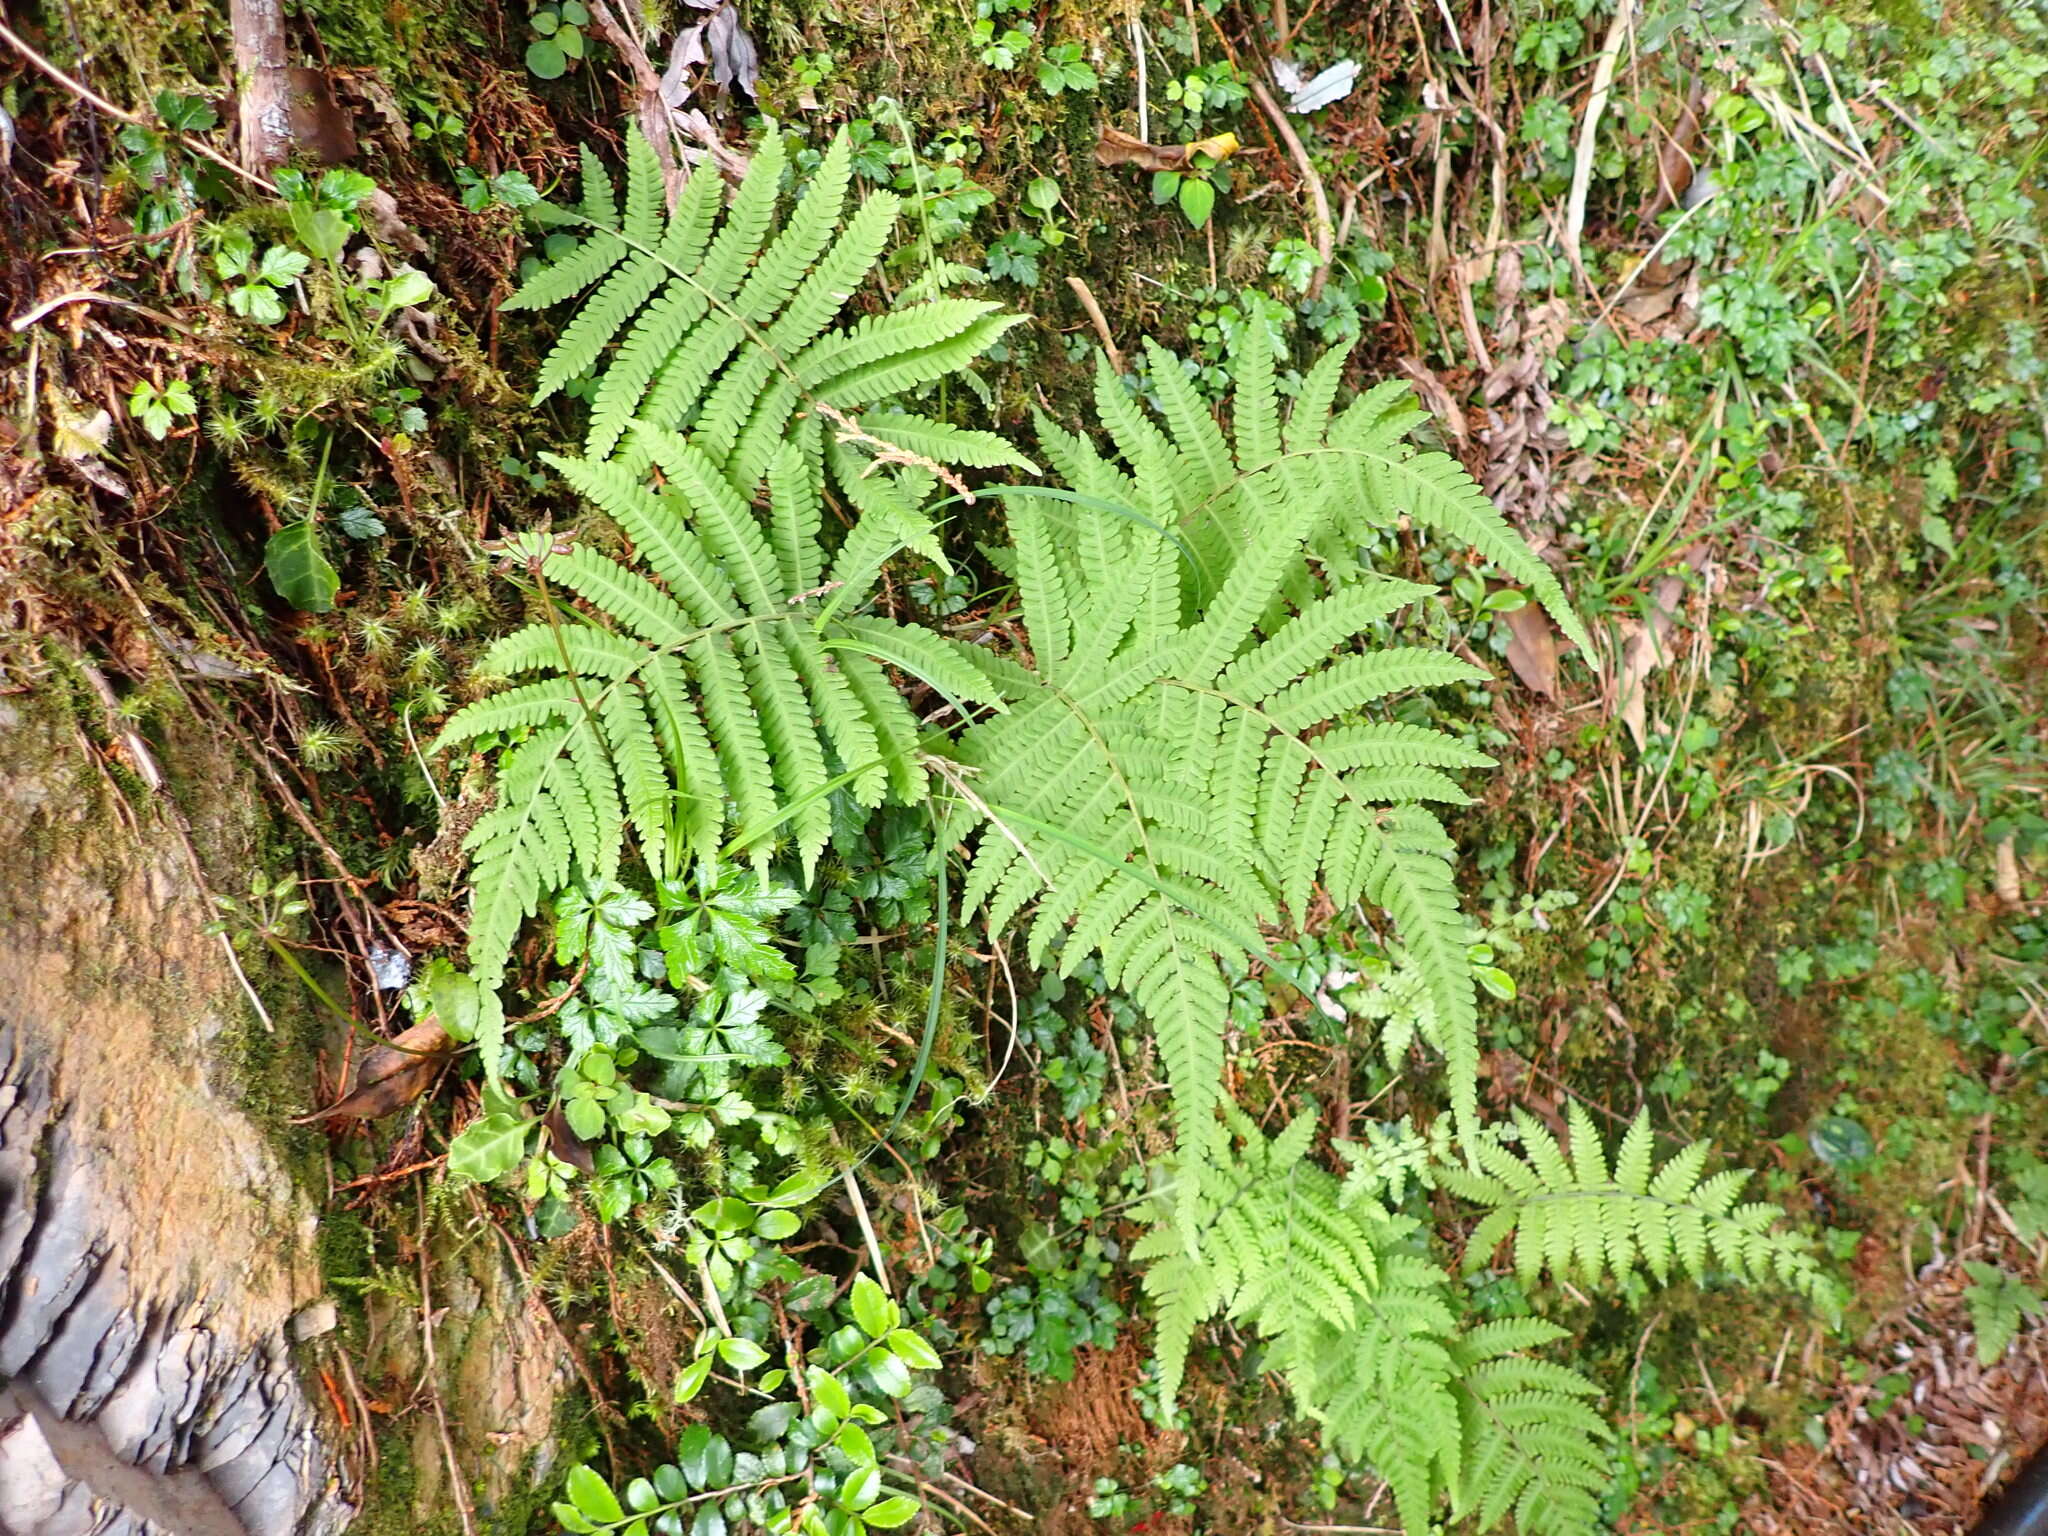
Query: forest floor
(1735, 311)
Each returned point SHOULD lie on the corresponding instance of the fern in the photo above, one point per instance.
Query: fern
(1360, 1327)
(721, 325)
(1191, 758)
(702, 691)
(1578, 1217)
(723, 678)
(2000, 1306)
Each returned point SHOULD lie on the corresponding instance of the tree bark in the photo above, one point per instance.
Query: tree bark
(263, 83)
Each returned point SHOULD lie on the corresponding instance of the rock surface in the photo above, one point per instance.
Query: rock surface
(153, 1250)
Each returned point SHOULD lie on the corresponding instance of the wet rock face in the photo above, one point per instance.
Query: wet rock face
(152, 1249)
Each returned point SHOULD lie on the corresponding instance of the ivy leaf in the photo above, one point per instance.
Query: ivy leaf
(406, 287)
(281, 265)
(298, 570)
(258, 302)
(322, 231)
(237, 251)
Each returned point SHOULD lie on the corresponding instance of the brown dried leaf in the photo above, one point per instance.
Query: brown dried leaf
(1532, 649)
(1645, 648)
(2006, 880)
(566, 1144)
(391, 1076)
(1115, 148)
(1436, 397)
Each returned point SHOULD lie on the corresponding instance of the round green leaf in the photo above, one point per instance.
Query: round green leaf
(831, 1391)
(1837, 1140)
(727, 1214)
(488, 1148)
(544, 60)
(690, 1380)
(913, 1351)
(742, 1354)
(776, 1225)
(890, 1374)
(871, 1307)
(570, 41)
(861, 1487)
(1197, 200)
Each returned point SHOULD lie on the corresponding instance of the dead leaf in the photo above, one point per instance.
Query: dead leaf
(1115, 148)
(566, 1145)
(734, 59)
(1532, 649)
(1645, 646)
(2006, 879)
(391, 1076)
(321, 126)
(684, 53)
(1435, 397)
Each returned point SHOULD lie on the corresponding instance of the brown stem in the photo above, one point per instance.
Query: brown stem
(1326, 235)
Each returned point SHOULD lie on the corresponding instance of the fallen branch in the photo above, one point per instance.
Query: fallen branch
(1099, 320)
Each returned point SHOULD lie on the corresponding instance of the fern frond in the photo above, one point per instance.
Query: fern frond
(1571, 1215)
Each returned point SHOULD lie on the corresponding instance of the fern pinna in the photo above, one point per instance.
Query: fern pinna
(1578, 1217)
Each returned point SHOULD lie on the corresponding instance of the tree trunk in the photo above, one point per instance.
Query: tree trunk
(262, 81)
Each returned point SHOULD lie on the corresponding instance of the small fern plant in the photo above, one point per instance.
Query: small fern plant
(722, 679)
(1360, 1322)
(1191, 754)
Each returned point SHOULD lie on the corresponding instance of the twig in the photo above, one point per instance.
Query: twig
(1589, 131)
(1100, 320)
(92, 296)
(867, 1230)
(711, 1297)
(93, 98)
(1326, 231)
(1144, 95)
